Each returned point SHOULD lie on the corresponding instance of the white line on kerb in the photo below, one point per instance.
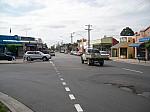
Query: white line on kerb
(72, 97)
(78, 108)
(61, 79)
(64, 83)
(67, 89)
(132, 70)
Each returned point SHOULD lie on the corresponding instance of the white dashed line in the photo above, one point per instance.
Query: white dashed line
(67, 89)
(64, 83)
(61, 79)
(78, 108)
(71, 96)
(132, 70)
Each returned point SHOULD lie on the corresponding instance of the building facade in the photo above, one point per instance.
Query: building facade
(18, 45)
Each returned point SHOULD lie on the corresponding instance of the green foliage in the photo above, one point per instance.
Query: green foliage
(3, 108)
(12, 48)
(127, 32)
(147, 45)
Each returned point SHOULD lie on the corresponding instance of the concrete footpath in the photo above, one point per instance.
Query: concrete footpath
(12, 104)
(17, 61)
(131, 61)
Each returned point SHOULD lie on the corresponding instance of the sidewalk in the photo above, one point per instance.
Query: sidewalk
(17, 61)
(131, 61)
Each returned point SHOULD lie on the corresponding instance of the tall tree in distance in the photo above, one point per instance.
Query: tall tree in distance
(127, 32)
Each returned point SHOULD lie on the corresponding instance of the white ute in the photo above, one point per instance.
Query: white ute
(92, 56)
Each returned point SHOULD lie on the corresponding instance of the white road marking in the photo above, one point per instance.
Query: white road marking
(67, 89)
(58, 73)
(78, 108)
(72, 97)
(132, 70)
(64, 83)
(61, 79)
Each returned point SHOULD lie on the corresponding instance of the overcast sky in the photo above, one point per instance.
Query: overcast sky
(54, 20)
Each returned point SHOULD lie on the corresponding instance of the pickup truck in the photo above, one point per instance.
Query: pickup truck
(92, 56)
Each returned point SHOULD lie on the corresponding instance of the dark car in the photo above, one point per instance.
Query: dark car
(4, 56)
(52, 53)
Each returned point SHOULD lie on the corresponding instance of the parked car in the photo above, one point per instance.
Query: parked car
(4, 56)
(79, 53)
(73, 52)
(52, 53)
(33, 55)
(105, 54)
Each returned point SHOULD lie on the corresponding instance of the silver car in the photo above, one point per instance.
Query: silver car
(34, 55)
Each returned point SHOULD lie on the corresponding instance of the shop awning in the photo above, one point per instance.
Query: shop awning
(135, 44)
(119, 45)
(144, 39)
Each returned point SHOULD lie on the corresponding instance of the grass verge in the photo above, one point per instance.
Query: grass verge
(3, 108)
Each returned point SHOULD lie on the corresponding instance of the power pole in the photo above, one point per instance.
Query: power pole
(72, 37)
(88, 29)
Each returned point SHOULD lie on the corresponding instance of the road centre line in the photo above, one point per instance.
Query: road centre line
(72, 97)
(61, 79)
(132, 70)
(64, 83)
(67, 89)
(78, 108)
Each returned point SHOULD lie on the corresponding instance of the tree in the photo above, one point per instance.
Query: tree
(147, 45)
(127, 32)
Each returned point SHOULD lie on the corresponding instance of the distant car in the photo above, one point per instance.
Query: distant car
(79, 53)
(105, 54)
(52, 53)
(4, 56)
(33, 55)
(73, 53)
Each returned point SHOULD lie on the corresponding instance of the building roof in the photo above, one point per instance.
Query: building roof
(145, 29)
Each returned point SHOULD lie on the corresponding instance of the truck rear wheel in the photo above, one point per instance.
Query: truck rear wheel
(89, 62)
(82, 61)
(101, 63)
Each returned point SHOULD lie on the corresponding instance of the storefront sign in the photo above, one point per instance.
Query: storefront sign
(145, 39)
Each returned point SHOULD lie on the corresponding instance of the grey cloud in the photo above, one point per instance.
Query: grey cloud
(55, 26)
(19, 10)
(69, 21)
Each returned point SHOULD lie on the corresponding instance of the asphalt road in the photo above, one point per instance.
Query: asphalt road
(66, 85)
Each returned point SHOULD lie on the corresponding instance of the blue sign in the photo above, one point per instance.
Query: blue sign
(7, 37)
(145, 39)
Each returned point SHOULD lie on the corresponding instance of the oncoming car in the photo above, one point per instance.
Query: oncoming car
(34, 55)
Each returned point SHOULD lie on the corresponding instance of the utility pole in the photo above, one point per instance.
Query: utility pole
(88, 29)
(72, 37)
